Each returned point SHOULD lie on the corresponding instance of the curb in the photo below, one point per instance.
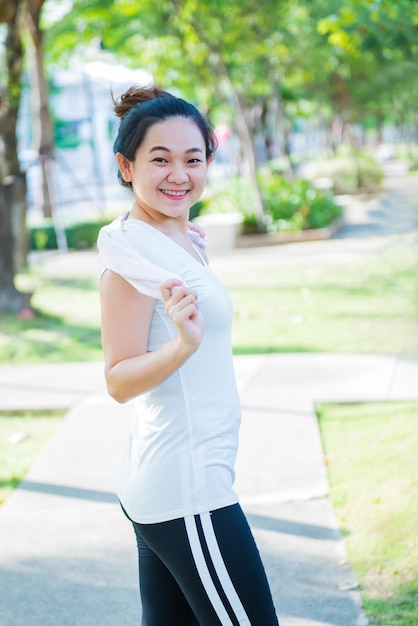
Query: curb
(271, 239)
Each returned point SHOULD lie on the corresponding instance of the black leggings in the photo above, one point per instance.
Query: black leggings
(203, 570)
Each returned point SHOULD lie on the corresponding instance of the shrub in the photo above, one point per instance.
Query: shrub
(235, 195)
(295, 204)
(289, 204)
(197, 209)
(349, 170)
(369, 173)
(408, 152)
(42, 237)
(78, 235)
(413, 165)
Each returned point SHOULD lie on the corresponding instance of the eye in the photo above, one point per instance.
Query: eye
(194, 161)
(159, 160)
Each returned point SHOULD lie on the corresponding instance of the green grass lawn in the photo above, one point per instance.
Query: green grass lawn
(372, 460)
(23, 434)
(65, 329)
(368, 306)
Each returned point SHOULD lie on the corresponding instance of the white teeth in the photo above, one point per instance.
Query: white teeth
(173, 193)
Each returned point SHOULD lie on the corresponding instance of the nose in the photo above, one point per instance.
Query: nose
(178, 174)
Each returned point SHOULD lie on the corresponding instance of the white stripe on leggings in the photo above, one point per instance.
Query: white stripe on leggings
(220, 569)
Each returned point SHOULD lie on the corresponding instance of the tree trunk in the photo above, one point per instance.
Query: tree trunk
(247, 140)
(7, 10)
(11, 300)
(284, 128)
(344, 106)
(12, 180)
(43, 133)
(243, 127)
(12, 171)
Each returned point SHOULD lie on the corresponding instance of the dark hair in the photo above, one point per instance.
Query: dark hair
(141, 107)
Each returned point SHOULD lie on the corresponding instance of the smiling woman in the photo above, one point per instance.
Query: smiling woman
(169, 165)
(166, 332)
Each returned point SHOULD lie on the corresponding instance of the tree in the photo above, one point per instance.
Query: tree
(370, 66)
(259, 61)
(17, 15)
(232, 51)
(44, 129)
(12, 179)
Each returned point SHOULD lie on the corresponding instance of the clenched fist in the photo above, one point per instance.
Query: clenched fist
(182, 306)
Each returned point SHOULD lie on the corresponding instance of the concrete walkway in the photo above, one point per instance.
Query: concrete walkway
(67, 555)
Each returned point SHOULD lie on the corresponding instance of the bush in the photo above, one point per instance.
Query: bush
(288, 204)
(295, 204)
(235, 195)
(350, 172)
(413, 165)
(369, 173)
(79, 235)
(196, 209)
(409, 154)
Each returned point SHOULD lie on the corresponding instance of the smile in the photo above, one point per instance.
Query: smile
(175, 194)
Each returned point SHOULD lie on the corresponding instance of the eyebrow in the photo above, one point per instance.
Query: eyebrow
(164, 149)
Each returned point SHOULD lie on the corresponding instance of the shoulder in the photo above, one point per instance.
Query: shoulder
(119, 292)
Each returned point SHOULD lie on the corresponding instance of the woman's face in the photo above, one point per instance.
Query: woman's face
(169, 172)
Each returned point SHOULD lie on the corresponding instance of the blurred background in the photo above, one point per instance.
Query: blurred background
(311, 100)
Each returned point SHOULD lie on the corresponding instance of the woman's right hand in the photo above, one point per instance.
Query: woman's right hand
(182, 306)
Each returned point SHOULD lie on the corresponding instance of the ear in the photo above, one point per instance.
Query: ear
(209, 160)
(124, 166)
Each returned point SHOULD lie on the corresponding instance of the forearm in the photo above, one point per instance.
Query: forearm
(130, 377)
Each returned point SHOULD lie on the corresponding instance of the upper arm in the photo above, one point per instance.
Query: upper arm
(125, 319)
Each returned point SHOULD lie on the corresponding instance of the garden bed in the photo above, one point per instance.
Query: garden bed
(271, 239)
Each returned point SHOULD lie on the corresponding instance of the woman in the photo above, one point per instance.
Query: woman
(166, 324)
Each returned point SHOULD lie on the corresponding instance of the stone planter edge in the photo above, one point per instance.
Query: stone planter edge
(271, 239)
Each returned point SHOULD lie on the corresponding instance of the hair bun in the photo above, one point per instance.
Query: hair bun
(136, 95)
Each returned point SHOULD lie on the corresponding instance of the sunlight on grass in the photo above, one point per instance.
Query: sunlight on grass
(371, 453)
(76, 300)
(65, 329)
(23, 434)
(369, 306)
(366, 307)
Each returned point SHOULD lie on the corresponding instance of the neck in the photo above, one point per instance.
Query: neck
(170, 226)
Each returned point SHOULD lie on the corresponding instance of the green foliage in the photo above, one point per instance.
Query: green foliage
(259, 64)
(369, 173)
(196, 209)
(235, 195)
(350, 171)
(295, 204)
(79, 235)
(289, 205)
(342, 55)
(367, 46)
(413, 165)
(409, 154)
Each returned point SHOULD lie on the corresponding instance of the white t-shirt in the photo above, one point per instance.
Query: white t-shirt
(181, 453)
